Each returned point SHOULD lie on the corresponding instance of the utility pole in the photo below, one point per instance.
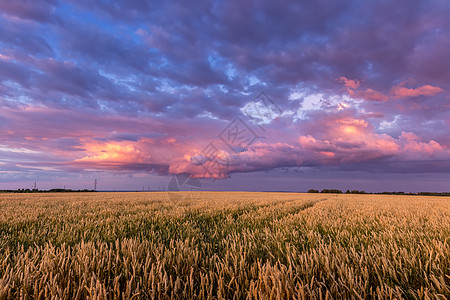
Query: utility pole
(95, 185)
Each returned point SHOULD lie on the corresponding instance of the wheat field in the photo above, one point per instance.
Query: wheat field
(224, 245)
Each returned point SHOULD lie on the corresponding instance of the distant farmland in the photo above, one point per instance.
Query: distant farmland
(223, 245)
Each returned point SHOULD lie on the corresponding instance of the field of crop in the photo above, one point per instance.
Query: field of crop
(223, 245)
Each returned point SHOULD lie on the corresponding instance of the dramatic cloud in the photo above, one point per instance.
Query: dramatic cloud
(425, 90)
(135, 87)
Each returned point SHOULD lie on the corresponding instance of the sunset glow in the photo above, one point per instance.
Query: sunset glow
(134, 93)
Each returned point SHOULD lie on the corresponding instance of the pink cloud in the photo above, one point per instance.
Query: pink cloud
(86, 143)
(260, 156)
(336, 142)
(350, 140)
(367, 94)
(4, 57)
(398, 91)
(414, 148)
(349, 83)
(342, 142)
(355, 140)
(425, 90)
(114, 153)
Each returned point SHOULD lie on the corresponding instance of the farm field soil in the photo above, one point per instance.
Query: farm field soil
(223, 245)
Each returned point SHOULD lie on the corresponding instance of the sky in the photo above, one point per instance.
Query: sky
(239, 95)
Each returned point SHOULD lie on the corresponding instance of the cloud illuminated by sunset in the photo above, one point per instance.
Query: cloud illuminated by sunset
(134, 90)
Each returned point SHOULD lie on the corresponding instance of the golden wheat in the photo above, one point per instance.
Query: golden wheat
(224, 246)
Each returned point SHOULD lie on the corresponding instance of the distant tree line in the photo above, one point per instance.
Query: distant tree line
(336, 191)
(332, 191)
(46, 191)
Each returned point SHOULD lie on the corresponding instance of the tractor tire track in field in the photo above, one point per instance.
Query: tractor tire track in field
(311, 204)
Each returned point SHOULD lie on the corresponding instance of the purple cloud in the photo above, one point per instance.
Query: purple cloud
(137, 87)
